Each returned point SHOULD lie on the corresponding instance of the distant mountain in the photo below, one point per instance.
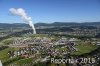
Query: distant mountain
(67, 24)
(7, 25)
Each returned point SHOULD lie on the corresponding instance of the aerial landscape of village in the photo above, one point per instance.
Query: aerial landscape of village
(49, 33)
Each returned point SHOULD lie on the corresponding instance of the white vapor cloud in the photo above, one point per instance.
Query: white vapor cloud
(21, 12)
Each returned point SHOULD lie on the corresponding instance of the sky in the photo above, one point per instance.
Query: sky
(48, 11)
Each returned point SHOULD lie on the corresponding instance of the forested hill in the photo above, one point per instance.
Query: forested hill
(6, 25)
(67, 24)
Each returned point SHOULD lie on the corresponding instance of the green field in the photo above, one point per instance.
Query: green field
(84, 49)
(4, 54)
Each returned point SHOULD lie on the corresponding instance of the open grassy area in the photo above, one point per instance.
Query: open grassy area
(6, 41)
(24, 61)
(84, 49)
(62, 49)
(4, 54)
(39, 35)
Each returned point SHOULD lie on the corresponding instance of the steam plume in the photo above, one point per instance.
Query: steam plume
(21, 12)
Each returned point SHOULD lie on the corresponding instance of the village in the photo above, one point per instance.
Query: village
(44, 48)
(43, 45)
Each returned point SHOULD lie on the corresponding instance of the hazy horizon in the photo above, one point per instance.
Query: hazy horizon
(48, 23)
